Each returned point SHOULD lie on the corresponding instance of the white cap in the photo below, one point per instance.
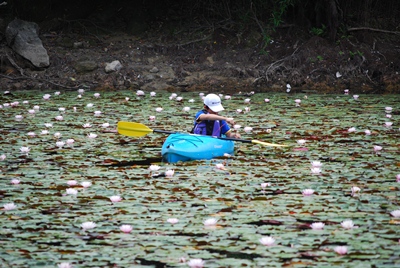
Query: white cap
(213, 102)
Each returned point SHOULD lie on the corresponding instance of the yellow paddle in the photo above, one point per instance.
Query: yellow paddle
(133, 129)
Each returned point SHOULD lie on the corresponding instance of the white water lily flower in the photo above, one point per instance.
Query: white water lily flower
(59, 118)
(60, 144)
(395, 213)
(342, 250)
(173, 220)
(388, 124)
(355, 97)
(239, 111)
(46, 96)
(57, 135)
(347, 224)
(247, 101)
(227, 97)
(267, 240)
(71, 191)
(301, 142)
(265, 185)
(31, 134)
(88, 225)
(191, 100)
(61, 109)
(97, 113)
(64, 265)
(317, 164)
(92, 136)
(210, 222)
(352, 129)
(81, 91)
(236, 127)
(248, 129)
(89, 105)
(169, 173)
(25, 150)
(126, 228)
(48, 125)
(195, 263)
(87, 125)
(316, 170)
(72, 182)
(355, 190)
(96, 95)
(44, 132)
(140, 93)
(31, 111)
(70, 141)
(159, 109)
(3, 157)
(367, 132)
(154, 167)
(388, 109)
(36, 107)
(220, 166)
(86, 184)
(317, 225)
(115, 198)
(9, 206)
(153, 94)
(105, 125)
(18, 117)
(186, 109)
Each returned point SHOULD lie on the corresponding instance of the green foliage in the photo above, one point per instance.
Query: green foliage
(318, 31)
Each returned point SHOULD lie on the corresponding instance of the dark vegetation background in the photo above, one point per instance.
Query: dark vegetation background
(359, 38)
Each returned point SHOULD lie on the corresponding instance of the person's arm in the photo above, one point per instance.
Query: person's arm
(233, 134)
(214, 117)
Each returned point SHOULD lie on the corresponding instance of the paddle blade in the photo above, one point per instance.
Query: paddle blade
(133, 129)
(268, 144)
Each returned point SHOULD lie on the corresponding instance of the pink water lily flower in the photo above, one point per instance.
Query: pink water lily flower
(388, 115)
(388, 124)
(81, 91)
(307, 192)
(367, 132)
(59, 118)
(3, 157)
(153, 94)
(342, 250)
(227, 97)
(388, 109)
(346, 92)
(19, 117)
(70, 141)
(9, 206)
(237, 127)
(126, 228)
(297, 101)
(195, 263)
(355, 97)
(220, 166)
(96, 95)
(15, 181)
(398, 177)
(152, 118)
(377, 148)
(46, 96)
(115, 198)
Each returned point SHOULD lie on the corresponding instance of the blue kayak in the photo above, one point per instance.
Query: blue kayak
(186, 147)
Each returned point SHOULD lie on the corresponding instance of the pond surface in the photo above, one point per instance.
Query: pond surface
(258, 197)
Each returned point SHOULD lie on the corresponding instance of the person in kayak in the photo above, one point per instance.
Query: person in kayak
(208, 122)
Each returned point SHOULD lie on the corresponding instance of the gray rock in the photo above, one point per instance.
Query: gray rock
(113, 66)
(85, 66)
(23, 38)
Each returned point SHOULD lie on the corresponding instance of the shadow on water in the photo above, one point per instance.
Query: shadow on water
(147, 161)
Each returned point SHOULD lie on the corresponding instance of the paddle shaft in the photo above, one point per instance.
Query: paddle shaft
(220, 138)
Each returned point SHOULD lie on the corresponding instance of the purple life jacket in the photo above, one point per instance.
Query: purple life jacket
(208, 128)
